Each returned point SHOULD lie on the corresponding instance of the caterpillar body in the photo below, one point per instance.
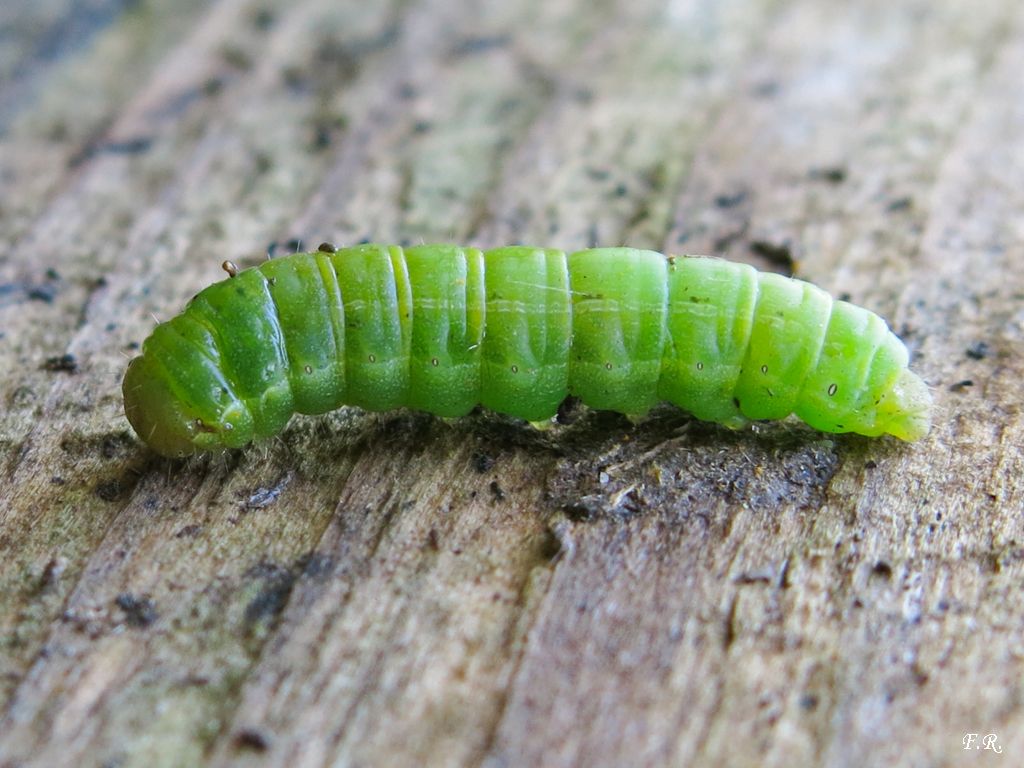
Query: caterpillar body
(442, 328)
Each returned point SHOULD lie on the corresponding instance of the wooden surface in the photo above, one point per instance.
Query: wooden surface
(394, 589)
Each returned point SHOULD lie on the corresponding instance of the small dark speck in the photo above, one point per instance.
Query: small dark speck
(138, 611)
(294, 77)
(960, 386)
(724, 241)
(567, 410)
(315, 565)
(115, 445)
(900, 204)
(252, 738)
(213, 86)
(583, 509)
(978, 351)
(43, 293)
(53, 571)
(321, 137)
(236, 57)
(433, 540)
(131, 146)
(61, 364)
(835, 174)
(808, 702)
(263, 19)
(109, 490)
(779, 254)
(270, 601)
(471, 45)
(870, 464)
(496, 491)
(731, 199)
(482, 462)
(551, 545)
(882, 569)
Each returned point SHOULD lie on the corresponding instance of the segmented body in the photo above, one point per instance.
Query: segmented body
(442, 328)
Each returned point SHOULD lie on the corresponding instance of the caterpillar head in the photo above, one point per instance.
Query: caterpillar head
(170, 422)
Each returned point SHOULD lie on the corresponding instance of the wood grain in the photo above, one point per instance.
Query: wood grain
(394, 589)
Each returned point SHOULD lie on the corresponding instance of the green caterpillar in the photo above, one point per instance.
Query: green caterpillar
(441, 328)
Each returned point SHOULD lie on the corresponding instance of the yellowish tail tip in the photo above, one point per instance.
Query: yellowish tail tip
(909, 407)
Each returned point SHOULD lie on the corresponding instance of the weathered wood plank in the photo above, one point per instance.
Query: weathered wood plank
(394, 589)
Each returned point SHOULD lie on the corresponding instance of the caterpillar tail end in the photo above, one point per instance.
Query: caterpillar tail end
(906, 411)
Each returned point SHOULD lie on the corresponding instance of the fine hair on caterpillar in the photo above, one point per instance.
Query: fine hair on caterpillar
(442, 328)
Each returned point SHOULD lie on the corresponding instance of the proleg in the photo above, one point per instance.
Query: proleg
(441, 328)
